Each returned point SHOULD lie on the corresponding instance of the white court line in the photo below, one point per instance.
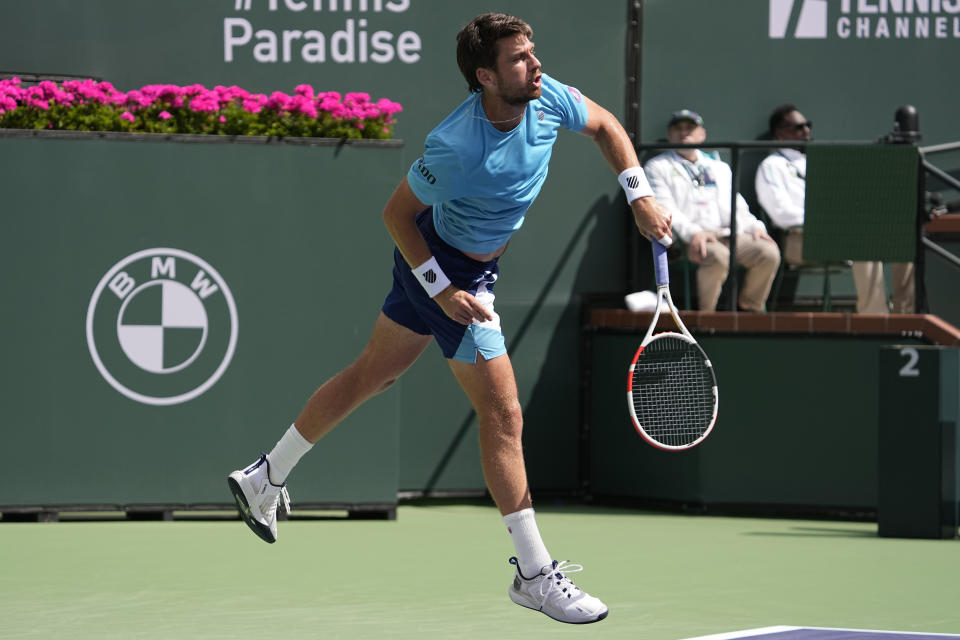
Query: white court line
(736, 635)
(902, 633)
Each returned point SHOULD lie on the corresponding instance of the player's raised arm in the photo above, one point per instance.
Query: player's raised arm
(652, 220)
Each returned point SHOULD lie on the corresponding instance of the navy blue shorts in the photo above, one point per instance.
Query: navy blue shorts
(408, 304)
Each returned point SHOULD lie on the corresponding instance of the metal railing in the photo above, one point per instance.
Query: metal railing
(29, 77)
(942, 175)
(735, 149)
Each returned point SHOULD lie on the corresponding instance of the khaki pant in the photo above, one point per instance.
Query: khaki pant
(793, 246)
(872, 293)
(867, 278)
(761, 259)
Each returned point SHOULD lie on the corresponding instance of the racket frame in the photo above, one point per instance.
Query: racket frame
(663, 295)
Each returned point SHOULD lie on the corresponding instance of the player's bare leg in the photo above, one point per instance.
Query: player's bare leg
(260, 488)
(539, 582)
(492, 390)
(391, 350)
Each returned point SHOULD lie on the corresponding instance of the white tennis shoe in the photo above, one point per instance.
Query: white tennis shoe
(553, 593)
(258, 498)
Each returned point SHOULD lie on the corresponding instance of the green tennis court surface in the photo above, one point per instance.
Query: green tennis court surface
(441, 572)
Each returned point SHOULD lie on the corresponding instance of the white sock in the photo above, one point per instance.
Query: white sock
(287, 452)
(532, 555)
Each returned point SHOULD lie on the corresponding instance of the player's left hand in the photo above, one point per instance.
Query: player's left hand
(462, 306)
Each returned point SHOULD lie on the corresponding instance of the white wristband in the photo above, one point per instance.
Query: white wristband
(634, 184)
(431, 277)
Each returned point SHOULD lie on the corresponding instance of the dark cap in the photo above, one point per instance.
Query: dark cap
(685, 114)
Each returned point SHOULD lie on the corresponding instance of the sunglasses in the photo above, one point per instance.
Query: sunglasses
(798, 126)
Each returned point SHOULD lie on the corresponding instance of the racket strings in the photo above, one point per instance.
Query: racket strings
(674, 395)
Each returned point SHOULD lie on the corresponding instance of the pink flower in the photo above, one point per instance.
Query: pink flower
(9, 89)
(63, 97)
(301, 104)
(138, 99)
(356, 98)
(226, 95)
(205, 102)
(388, 107)
(278, 101)
(253, 103)
(336, 110)
(193, 90)
(49, 88)
(252, 106)
(88, 92)
(354, 109)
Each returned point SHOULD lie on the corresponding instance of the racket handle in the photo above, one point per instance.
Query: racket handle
(660, 265)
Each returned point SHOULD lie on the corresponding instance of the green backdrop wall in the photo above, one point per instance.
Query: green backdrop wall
(278, 222)
(572, 241)
(796, 430)
(259, 224)
(734, 61)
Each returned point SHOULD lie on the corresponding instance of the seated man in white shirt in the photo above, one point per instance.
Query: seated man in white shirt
(696, 189)
(781, 188)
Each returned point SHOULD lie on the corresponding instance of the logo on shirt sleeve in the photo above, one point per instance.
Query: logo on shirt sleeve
(425, 172)
(575, 93)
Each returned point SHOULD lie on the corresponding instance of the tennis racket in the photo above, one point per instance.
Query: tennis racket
(672, 388)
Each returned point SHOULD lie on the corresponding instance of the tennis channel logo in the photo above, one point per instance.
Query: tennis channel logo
(162, 326)
(865, 19)
(810, 22)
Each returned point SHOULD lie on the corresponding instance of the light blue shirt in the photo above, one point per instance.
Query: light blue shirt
(480, 180)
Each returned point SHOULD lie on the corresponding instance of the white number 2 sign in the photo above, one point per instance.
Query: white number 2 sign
(909, 369)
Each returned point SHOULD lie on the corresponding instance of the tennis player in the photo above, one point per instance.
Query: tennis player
(451, 218)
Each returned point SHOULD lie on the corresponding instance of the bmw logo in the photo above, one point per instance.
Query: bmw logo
(162, 326)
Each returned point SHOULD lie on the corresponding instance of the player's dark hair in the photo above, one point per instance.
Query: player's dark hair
(477, 43)
(776, 118)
